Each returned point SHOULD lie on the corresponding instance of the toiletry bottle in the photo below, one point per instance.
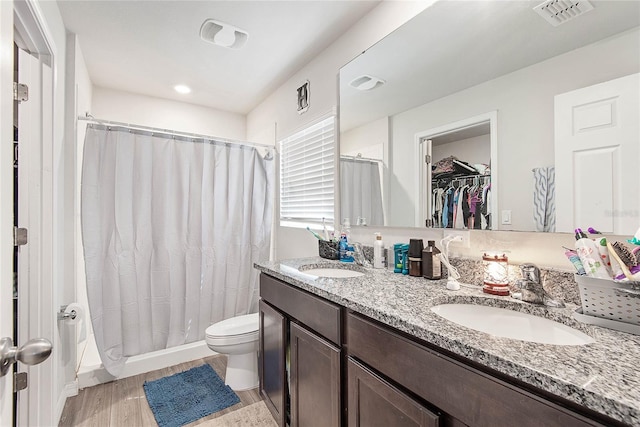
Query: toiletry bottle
(390, 264)
(415, 257)
(575, 260)
(590, 257)
(346, 227)
(431, 264)
(397, 253)
(603, 252)
(405, 258)
(343, 246)
(378, 252)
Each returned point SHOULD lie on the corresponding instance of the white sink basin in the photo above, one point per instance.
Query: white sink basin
(336, 273)
(512, 324)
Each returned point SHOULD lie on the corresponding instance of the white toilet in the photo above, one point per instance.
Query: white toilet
(238, 338)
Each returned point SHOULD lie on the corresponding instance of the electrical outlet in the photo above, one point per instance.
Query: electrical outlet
(465, 243)
(506, 217)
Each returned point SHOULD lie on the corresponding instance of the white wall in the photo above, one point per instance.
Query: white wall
(471, 150)
(280, 107)
(276, 117)
(543, 249)
(524, 100)
(82, 103)
(109, 104)
(369, 139)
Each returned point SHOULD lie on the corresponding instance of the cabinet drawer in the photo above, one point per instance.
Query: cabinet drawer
(314, 312)
(472, 396)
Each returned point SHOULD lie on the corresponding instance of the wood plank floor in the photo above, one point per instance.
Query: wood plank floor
(122, 403)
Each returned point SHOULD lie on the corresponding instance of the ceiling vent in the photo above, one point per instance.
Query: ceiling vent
(366, 82)
(558, 12)
(222, 34)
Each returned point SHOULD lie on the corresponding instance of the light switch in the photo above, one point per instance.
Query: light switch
(506, 217)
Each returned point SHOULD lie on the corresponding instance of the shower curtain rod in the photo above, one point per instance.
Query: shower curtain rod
(89, 118)
(366, 159)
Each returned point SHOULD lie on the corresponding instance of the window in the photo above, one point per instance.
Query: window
(307, 173)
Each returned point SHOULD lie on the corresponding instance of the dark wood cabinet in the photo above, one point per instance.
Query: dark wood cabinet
(346, 368)
(462, 392)
(309, 328)
(271, 361)
(315, 380)
(374, 402)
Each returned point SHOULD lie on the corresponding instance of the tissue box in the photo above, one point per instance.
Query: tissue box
(328, 249)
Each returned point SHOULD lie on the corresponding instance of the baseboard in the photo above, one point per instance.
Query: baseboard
(89, 376)
(69, 390)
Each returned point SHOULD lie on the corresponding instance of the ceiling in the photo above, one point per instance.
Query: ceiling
(454, 45)
(148, 47)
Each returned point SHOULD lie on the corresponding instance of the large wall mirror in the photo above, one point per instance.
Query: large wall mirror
(544, 85)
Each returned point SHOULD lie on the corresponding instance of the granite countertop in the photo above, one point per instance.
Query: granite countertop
(602, 376)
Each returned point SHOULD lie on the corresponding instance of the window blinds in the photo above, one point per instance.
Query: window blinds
(307, 171)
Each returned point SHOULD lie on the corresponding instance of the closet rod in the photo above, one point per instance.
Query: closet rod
(89, 118)
(453, 178)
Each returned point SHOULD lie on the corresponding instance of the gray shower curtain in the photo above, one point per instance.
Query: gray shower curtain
(171, 228)
(361, 191)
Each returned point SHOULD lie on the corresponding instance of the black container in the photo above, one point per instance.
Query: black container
(415, 248)
(328, 249)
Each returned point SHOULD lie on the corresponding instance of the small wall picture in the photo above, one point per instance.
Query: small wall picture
(303, 97)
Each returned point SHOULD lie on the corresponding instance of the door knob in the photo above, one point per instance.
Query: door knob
(31, 353)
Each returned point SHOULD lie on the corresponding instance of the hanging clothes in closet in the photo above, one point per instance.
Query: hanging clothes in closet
(462, 202)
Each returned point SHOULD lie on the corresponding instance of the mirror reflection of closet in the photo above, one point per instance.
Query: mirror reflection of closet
(456, 189)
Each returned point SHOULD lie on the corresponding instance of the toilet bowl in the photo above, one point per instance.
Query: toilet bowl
(237, 337)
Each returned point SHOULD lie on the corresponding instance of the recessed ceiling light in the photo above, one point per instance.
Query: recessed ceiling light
(182, 89)
(366, 82)
(222, 34)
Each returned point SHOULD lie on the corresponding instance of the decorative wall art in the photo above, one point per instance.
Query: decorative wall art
(303, 97)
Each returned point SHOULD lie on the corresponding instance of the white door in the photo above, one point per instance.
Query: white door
(597, 143)
(33, 272)
(6, 199)
(33, 317)
(424, 215)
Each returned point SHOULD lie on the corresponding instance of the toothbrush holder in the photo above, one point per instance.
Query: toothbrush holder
(328, 249)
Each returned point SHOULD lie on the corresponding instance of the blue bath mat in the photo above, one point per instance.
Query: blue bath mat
(182, 398)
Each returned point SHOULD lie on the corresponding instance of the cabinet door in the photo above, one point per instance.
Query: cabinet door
(315, 380)
(374, 402)
(272, 372)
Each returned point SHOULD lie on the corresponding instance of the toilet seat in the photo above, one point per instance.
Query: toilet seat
(236, 330)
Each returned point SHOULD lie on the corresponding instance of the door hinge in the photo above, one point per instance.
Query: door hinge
(20, 92)
(20, 236)
(427, 158)
(20, 381)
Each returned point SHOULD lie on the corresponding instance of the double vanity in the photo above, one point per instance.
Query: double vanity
(346, 345)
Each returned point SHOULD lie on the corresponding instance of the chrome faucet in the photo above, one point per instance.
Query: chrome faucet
(358, 255)
(530, 288)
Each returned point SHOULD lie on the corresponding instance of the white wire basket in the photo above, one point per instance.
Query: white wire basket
(610, 300)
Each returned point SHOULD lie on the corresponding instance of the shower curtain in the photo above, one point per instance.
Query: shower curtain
(171, 228)
(360, 191)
